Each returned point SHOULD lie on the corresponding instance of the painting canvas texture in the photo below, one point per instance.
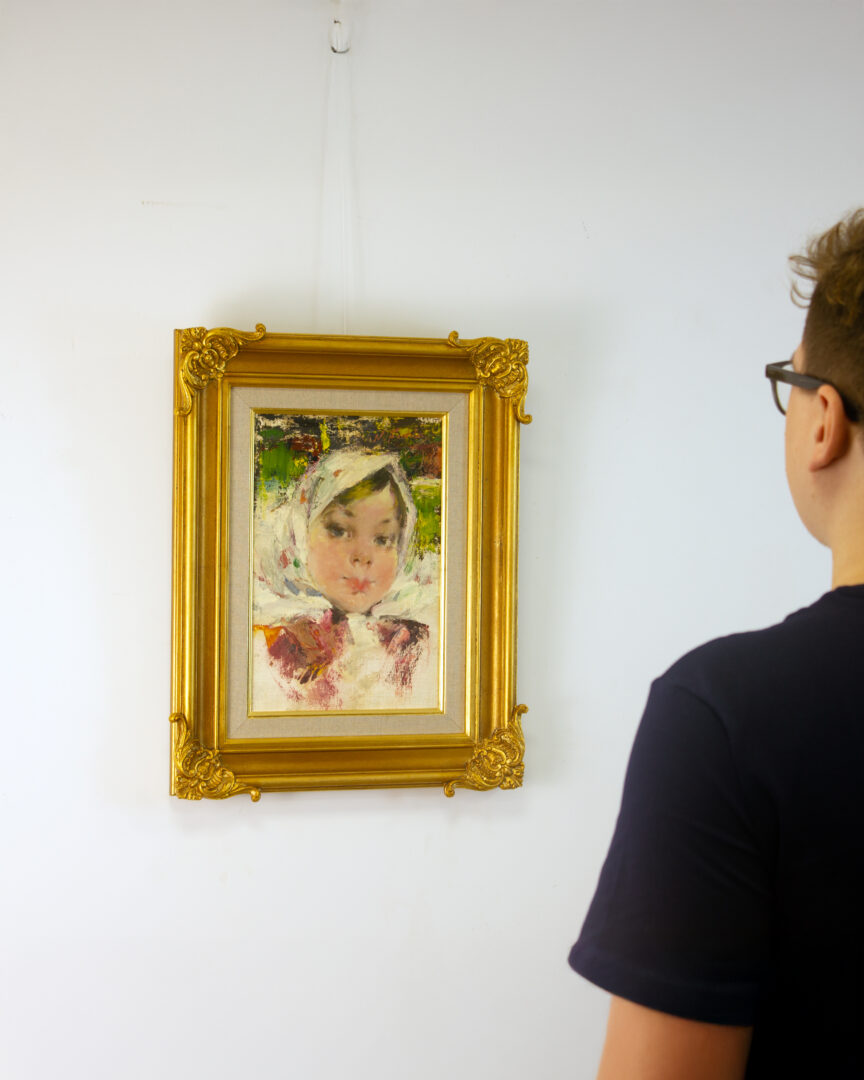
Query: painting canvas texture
(346, 562)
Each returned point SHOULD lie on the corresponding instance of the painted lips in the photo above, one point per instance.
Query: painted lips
(358, 585)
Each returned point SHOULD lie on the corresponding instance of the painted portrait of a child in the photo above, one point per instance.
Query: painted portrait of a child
(346, 577)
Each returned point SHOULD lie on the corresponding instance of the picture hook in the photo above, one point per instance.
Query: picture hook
(339, 37)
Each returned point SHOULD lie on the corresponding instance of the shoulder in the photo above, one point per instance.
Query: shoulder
(782, 696)
(777, 660)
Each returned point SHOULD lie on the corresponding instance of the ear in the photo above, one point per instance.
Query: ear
(830, 429)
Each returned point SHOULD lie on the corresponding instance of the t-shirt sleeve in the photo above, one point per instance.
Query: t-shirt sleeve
(680, 919)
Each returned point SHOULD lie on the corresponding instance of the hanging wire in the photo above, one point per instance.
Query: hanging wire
(337, 253)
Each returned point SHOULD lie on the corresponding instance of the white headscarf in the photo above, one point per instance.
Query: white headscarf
(282, 535)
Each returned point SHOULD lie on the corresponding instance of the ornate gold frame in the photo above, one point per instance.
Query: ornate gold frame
(208, 363)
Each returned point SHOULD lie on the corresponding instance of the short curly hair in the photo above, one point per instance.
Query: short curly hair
(834, 328)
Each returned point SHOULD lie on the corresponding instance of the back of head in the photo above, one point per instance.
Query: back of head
(834, 329)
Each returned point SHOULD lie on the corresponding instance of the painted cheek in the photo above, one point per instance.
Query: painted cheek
(323, 560)
(320, 567)
(385, 566)
(335, 560)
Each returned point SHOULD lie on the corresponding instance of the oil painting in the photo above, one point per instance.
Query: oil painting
(346, 563)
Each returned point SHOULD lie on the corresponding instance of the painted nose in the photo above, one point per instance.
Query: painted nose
(361, 556)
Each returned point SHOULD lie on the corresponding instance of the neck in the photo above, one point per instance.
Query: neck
(847, 569)
(847, 542)
(843, 495)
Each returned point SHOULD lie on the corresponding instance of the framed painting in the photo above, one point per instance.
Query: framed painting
(344, 574)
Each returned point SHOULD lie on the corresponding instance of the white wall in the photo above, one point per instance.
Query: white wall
(618, 183)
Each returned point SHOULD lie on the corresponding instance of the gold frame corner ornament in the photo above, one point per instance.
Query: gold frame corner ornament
(204, 355)
(501, 364)
(199, 772)
(498, 760)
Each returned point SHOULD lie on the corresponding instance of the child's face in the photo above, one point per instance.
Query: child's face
(353, 551)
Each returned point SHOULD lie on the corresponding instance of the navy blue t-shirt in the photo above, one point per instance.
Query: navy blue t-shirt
(732, 891)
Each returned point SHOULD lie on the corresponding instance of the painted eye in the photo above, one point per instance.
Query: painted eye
(384, 541)
(336, 531)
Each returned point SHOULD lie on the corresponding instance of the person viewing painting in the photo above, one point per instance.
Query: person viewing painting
(726, 922)
(346, 591)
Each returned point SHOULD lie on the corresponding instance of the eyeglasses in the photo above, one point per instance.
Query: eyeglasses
(783, 377)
